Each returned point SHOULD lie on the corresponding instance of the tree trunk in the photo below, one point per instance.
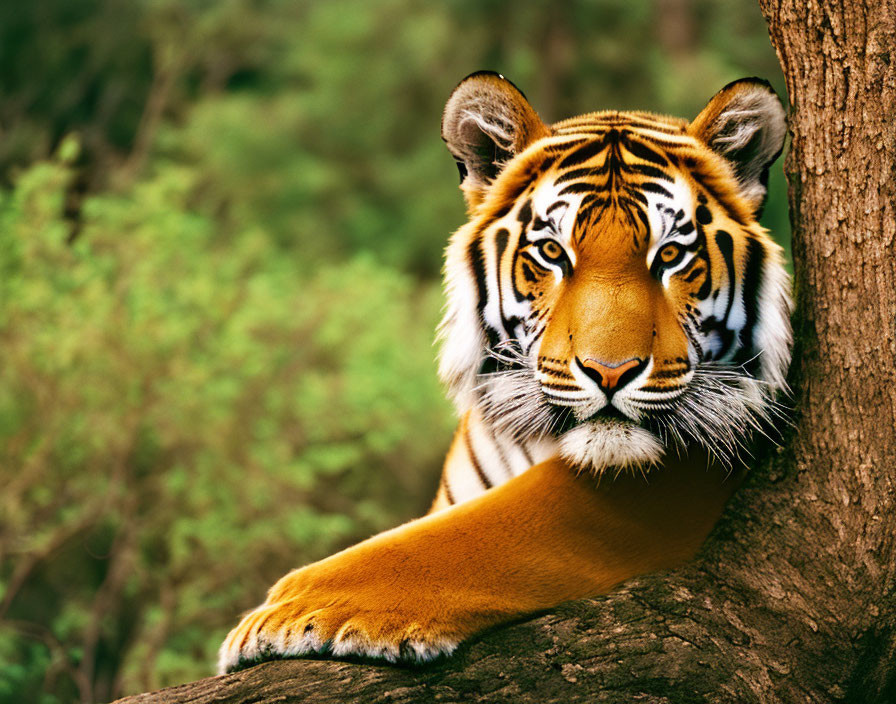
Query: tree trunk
(793, 599)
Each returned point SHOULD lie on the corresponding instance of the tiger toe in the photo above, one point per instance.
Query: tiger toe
(288, 630)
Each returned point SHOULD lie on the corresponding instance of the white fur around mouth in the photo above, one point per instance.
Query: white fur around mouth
(600, 444)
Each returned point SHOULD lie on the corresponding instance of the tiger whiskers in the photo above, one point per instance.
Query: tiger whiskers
(511, 398)
(721, 409)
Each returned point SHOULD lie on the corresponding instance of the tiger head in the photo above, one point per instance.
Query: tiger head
(612, 289)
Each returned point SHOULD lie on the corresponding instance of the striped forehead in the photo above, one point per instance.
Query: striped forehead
(657, 127)
(613, 173)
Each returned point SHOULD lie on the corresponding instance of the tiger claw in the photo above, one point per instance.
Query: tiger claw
(285, 630)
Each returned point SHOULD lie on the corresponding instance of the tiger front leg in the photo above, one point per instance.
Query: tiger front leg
(415, 592)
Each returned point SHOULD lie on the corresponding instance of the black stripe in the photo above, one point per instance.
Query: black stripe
(641, 122)
(703, 215)
(705, 181)
(558, 204)
(726, 249)
(551, 369)
(559, 373)
(574, 188)
(560, 387)
(644, 152)
(574, 174)
(633, 193)
(695, 273)
(669, 146)
(583, 154)
(651, 187)
(526, 453)
(720, 326)
(477, 264)
(564, 146)
(474, 254)
(525, 213)
(661, 389)
(527, 257)
(508, 470)
(645, 220)
(752, 281)
(528, 275)
(501, 237)
(447, 489)
(590, 210)
(649, 171)
(702, 253)
(669, 373)
(478, 467)
(591, 130)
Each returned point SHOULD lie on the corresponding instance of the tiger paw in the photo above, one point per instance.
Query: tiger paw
(336, 626)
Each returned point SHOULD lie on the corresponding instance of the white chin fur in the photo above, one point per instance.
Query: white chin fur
(600, 445)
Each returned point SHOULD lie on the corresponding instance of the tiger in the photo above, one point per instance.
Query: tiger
(616, 331)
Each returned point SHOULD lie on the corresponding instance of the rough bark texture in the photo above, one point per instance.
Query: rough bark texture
(794, 597)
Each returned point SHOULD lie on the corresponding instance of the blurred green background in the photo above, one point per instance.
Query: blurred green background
(221, 226)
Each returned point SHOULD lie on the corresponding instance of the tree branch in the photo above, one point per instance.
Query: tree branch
(685, 636)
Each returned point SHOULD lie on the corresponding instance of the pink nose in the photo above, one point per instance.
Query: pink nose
(608, 376)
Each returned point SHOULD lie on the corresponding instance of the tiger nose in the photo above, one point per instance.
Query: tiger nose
(611, 377)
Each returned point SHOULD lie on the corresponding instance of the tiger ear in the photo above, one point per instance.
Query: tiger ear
(486, 122)
(745, 123)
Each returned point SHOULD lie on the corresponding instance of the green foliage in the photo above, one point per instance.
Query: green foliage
(202, 417)
(217, 299)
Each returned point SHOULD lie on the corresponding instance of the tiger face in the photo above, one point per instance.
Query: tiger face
(612, 290)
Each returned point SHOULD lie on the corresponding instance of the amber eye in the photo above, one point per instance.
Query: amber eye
(669, 253)
(551, 250)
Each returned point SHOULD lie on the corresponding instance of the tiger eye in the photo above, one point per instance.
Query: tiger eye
(669, 252)
(551, 249)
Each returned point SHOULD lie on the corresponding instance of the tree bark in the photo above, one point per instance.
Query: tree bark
(793, 598)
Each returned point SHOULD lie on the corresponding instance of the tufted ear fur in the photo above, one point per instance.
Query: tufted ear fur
(486, 122)
(746, 124)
